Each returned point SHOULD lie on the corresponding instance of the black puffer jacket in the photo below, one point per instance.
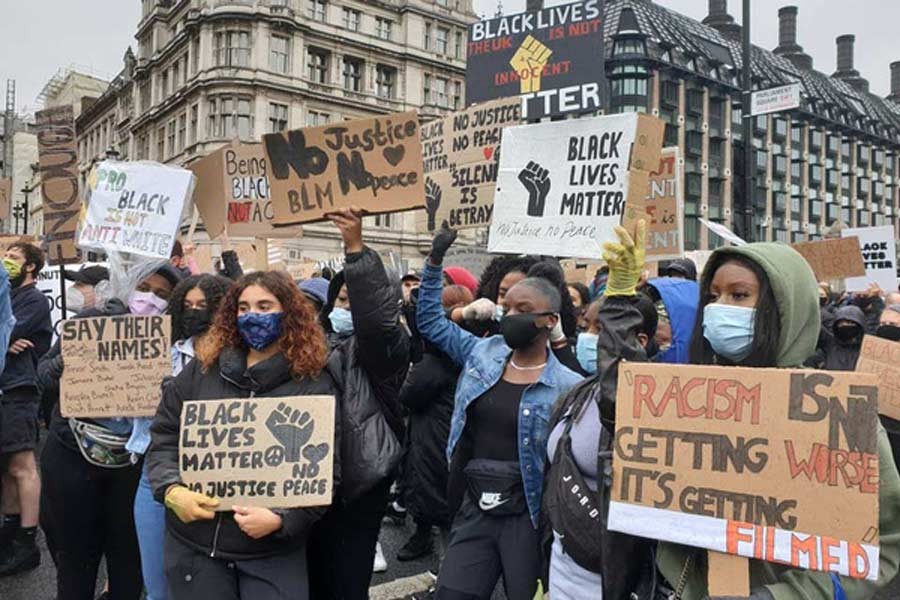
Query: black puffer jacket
(841, 355)
(230, 378)
(372, 365)
(428, 396)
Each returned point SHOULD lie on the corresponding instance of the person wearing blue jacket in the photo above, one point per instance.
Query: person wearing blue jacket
(498, 434)
(676, 302)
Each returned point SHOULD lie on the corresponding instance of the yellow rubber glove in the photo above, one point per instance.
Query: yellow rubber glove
(626, 260)
(190, 506)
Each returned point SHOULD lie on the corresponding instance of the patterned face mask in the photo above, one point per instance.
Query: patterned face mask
(260, 330)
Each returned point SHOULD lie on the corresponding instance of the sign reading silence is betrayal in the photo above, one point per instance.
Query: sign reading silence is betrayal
(114, 365)
(772, 464)
(552, 59)
(232, 192)
(375, 164)
(272, 452)
(462, 153)
(135, 208)
(879, 255)
(563, 185)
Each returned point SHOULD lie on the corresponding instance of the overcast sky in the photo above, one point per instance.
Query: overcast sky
(41, 36)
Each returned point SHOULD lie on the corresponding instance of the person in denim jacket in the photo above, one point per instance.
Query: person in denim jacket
(498, 434)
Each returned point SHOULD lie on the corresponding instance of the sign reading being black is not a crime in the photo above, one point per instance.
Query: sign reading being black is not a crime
(552, 58)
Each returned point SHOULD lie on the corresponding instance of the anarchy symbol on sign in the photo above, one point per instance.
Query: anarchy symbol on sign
(274, 456)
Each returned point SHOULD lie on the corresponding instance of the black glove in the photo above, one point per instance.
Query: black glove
(441, 243)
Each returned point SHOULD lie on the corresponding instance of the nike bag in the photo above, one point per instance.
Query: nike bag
(495, 487)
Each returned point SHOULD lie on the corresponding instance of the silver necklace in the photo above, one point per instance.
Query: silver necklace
(518, 368)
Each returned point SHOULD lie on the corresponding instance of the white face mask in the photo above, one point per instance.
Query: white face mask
(74, 300)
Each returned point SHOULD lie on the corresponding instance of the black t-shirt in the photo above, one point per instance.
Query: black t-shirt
(494, 422)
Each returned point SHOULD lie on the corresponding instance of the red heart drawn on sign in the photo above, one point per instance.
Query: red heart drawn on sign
(488, 153)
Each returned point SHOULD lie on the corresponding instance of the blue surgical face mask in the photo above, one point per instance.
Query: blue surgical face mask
(341, 320)
(586, 351)
(260, 330)
(729, 330)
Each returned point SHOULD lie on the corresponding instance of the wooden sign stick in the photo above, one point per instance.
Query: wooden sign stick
(194, 220)
(727, 575)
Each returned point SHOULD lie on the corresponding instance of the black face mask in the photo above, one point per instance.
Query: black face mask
(846, 334)
(888, 332)
(823, 301)
(519, 331)
(195, 321)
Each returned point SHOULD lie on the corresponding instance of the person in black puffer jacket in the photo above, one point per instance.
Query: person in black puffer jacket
(840, 350)
(265, 342)
(362, 318)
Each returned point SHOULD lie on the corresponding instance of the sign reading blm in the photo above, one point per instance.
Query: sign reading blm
(273, 452)
(375, 164)
(778, 465)
(552, 58)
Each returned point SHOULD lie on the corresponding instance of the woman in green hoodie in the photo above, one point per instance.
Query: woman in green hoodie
(759, 308)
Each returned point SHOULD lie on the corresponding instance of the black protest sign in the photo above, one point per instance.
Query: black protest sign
(114, 366)
(272, 452)
(551, 58)
(375, 164)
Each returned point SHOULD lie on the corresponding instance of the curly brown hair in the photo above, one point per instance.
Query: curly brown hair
(302, 340)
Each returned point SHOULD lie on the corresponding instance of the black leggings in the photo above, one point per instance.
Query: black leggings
(87, 513)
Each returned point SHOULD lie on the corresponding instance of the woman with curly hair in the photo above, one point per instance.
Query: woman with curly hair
(265, 341)
(192, 304)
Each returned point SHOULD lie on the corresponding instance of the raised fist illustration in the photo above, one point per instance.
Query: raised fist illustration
(292, 428)
(433, 195)
(536, 180)
(529, 61)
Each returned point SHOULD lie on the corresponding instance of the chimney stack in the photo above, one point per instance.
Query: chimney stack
(721, 21)
(787, 39)
(845, 68)
(718, 8)
(895, 82)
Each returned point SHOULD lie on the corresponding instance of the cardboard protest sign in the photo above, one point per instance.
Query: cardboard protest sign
(375, 164)
(882, 359)
(473, 258)
(58, 160)
(564, 185)
(272, 452)
(879, 255)
(233, 191)
(114, 365)
(135, 208)
(462, 153)
(5, 197)
(833, 259)
(771, 464)
(662, 209)
(551, 59)
(303, 270)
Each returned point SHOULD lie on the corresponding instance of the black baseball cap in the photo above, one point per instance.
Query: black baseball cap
(411, 274)
(89, 275)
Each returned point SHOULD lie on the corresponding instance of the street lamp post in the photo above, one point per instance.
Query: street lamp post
(749, 163)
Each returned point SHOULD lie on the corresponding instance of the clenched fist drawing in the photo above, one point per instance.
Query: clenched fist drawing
(433, 195)
(536, 180)
(292, 428)
(529, 62)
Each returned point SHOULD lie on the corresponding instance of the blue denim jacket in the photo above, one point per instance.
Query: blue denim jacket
(7, 320)
(483, 361)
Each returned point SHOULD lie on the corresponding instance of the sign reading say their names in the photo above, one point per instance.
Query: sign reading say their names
(879, 255)
(114, 365)
(272, 452)
(771, 464)
(461, 153)
(882, 359)
(135, 208)
(563, 186)
(834, 258)
(375, 164)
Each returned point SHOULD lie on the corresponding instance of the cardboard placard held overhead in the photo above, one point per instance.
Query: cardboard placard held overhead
(135, 208)
(272, 452)
(833, 259)
(58, 160)
(462, 153)
(563, 186)
(375, 164)
(771, 464)
(662, 209)
(233, 191)
(475, 259)
(882, 359)
(879, 255)
(114, 365)
(5, 197)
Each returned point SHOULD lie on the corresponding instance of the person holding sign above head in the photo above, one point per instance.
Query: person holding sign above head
(193, 304)
(498, 433)
(265, 342)
(89, 476)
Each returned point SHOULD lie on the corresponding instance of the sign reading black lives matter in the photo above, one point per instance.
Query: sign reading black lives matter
(551, 58)
(114, 365)
(273, 452)
(462, 152)
(563, 186)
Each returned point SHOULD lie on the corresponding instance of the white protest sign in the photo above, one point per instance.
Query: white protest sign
(563, 186)
(723, 232)
(48, 282)
(773, 100)
(135, 208)
(879, 254)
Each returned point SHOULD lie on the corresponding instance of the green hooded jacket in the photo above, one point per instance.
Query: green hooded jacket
(795, 289)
